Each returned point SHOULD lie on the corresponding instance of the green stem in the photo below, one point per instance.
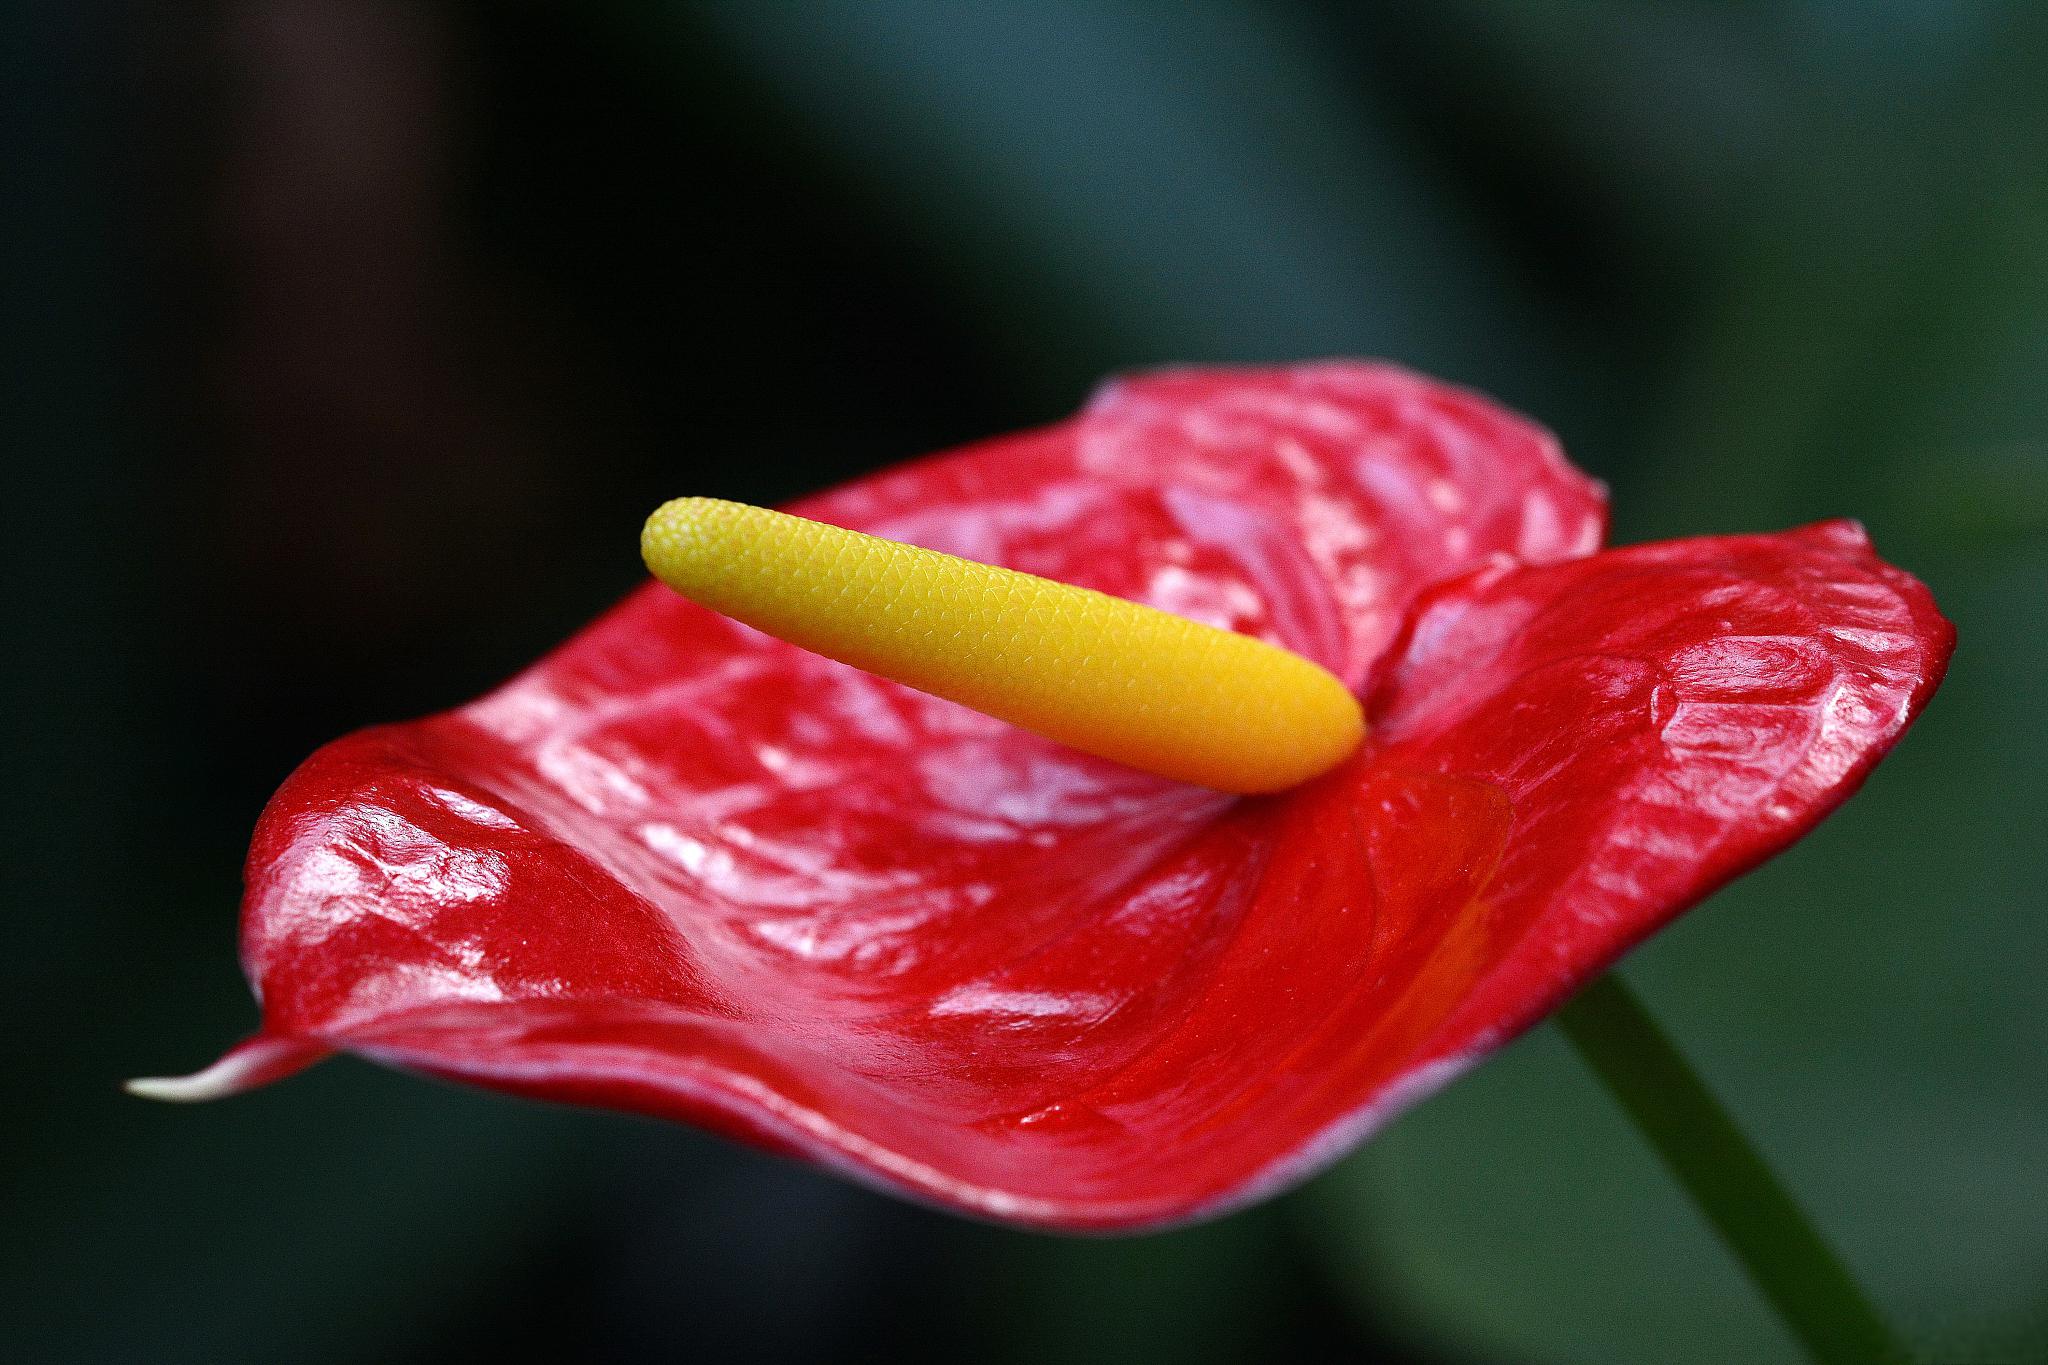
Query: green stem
(1728, 1181)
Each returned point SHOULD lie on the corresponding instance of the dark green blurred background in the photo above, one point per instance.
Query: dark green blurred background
(350, 340)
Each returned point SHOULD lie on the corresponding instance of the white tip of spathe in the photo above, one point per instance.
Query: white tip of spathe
(256, 1062)
(193, 1089)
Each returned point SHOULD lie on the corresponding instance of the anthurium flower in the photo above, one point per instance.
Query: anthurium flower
(682, 868)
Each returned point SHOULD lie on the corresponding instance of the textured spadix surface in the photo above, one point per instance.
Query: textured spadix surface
(682, 868)
(1157, 692)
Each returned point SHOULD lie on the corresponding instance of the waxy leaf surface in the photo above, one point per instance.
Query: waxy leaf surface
(681, 868)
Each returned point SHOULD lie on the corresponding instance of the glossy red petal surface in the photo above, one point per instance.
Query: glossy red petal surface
(680, 868)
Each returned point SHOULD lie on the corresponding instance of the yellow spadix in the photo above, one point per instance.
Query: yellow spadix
(1128, 682)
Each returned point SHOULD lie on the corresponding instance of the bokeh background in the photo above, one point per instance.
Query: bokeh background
(351, 339)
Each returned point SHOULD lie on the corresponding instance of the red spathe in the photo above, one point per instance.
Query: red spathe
(681, 868)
